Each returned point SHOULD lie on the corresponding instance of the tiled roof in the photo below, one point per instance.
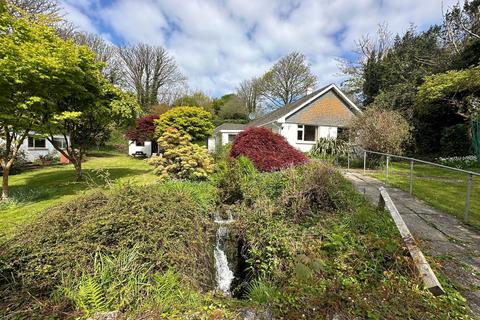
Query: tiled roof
(280, 112)
(230, 126)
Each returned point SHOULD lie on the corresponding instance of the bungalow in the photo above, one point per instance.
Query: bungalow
(324, 113)
(34, 147)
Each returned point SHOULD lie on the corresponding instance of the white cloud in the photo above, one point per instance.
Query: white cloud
(218, 43)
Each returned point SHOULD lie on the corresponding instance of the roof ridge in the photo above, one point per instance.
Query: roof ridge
(286, 108)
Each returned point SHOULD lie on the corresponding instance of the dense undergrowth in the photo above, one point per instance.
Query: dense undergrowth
(315, 249)
(162, 228)
(305, 245)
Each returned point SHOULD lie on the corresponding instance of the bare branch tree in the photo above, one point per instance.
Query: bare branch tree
(354, 69)
(249, 91)
(461, 23)
(33, 7)
(149, 69)
(288, 80)
(172, 92)
(106, 53)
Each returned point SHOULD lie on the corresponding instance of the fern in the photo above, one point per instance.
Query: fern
(93, 296)
(115, 282)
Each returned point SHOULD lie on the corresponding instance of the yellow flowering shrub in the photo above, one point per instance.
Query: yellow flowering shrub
(181, 159)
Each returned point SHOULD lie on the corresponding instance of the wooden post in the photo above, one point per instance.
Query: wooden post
(426, 273)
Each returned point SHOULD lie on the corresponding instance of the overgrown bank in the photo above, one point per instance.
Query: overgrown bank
(305, 246)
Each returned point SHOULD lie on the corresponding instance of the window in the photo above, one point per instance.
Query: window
(60, 143)
(231, 137)
(140, 144)
(306, 133)
(343, 134)
(37, 143)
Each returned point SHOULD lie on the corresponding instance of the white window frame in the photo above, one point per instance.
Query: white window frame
(62, 141)
(34, 144)
(301, 127)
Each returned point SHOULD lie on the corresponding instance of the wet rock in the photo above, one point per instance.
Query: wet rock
(256, 314)
(111, 315)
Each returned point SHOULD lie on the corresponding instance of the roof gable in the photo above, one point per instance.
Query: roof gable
(327, 110)
(281, 114)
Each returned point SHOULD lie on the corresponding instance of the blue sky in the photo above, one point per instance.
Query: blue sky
(218, 43)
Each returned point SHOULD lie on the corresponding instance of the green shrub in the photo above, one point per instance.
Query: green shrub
(380, 130)
(181, 159)
(456, 141)
(263, 292)
(115, 282)
(238, 181)
(325, 251)
(312, 188)
(126, 282)
(169, 223)
(330, 148)
(193, 121)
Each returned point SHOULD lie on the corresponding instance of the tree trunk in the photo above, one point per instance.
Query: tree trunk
(78, 169)
(5, 192)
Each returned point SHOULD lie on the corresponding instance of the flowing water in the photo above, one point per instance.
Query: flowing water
(223, 273)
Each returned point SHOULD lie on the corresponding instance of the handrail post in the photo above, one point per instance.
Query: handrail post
(411, 177)
(348, 160)
(364, 161)
(386, 174)
(467, 199)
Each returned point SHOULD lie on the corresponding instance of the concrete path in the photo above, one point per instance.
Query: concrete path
(438, 234)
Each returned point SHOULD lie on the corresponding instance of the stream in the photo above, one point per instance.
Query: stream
(224, 275)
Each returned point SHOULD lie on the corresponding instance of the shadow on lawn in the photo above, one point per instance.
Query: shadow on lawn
(51, 185)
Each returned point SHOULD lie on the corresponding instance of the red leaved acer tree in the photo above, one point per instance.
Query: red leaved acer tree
(144, 129)
(267, 150)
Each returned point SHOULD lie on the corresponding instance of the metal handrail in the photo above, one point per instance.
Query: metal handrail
(469, 174)
(424, 161)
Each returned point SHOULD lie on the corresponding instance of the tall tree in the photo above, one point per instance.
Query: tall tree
(32, 60)
(195, 99)
(288, 80)
(372, 73)
(249, 91)
(369, 49)
(31, 8)
(86, 115)
(148, 69)
(106, 53)
(234, 110)
(462, 24)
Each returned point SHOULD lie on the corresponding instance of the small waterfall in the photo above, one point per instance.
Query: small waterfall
(223, 273)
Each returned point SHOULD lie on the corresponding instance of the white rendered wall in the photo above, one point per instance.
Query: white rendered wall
(32, 154)
(289, 131)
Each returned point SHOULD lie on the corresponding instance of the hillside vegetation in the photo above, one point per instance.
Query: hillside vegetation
(304, 245)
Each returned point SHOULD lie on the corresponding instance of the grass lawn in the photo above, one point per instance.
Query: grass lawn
(35, 190)
(442, 189)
